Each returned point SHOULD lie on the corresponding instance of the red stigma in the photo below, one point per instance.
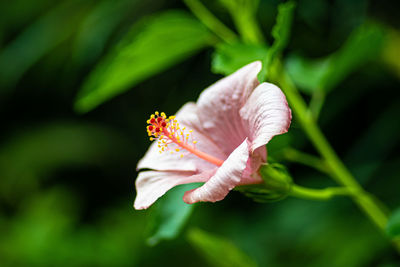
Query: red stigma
(163, 124)
(159, 119)
(151, 128)
(157, 129)
(152, 120)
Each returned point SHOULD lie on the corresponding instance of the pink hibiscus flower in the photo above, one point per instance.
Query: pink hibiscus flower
(220, 140)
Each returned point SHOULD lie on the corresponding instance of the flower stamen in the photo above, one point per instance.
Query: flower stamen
(167, 131)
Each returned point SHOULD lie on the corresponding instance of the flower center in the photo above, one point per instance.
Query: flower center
(167, 131)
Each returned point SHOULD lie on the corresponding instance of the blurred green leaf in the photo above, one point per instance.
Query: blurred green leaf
(391, 51)
(244, 15)
(218, 251)
(308, 74)
(38, 39)
(46, 231)
(18, 13)
(170, 214)
(228, 58)
(363, 45)
(39, 151)
(393, 225)
(98, 26)
(152, 46)
(280, 33)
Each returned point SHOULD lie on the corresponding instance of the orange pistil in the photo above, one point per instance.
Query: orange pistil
(168, 131)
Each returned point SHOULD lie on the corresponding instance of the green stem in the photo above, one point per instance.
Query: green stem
(210, 21)
(294, 155)
(248, 28)
(320, 194)
(316, 103)
(244, 16)
(372, 208)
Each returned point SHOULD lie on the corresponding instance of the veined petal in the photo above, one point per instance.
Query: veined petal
(165, 161)
(151, 185)
(266, 114)
(256, 159)
(219, 105)
(187, 117)
(225, 179)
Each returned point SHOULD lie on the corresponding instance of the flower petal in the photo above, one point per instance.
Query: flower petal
(266, 114)
(187, 117)
(225, 179)
(151, 185)
(256, 159)
(219, 105)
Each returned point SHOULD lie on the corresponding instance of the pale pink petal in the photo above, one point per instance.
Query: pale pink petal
(151, 185)
(165, 161)
(256, 159)
(225, 179)
(187, 117)
(266, 114)
(219, 105)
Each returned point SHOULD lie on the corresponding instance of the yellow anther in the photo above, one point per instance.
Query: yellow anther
(194, 142)
(162, 114)
(177, 150)
(151, 138)
(191, 131)
(181, 155)
(156, 113)
(152, 116)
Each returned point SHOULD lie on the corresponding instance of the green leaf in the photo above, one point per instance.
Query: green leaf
(308, 74)
(281, 30)
(244, 14)
(37, 40)
(99, 25)
(46, 148)
(391, 52)
(218, 251)
(393, 225)
(228, 58)
(311, 75)
(152, 46)
(280, 33)
(170, 214)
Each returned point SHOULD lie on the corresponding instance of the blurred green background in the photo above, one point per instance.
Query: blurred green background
(78, 79)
